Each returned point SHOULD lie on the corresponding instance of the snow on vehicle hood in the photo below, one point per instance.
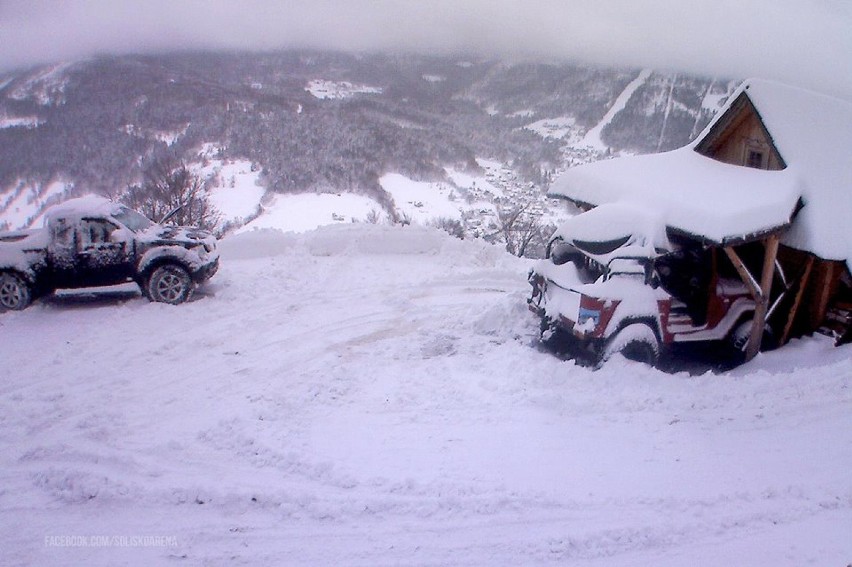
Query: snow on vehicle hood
(177, 234)
(183, 233)
(627, 224)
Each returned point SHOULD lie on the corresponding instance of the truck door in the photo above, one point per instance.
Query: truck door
(62, 252)
(104, 253)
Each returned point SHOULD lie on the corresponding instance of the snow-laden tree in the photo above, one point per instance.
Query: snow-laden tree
(167, 186)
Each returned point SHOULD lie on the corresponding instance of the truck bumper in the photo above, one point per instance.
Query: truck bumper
(206, 272)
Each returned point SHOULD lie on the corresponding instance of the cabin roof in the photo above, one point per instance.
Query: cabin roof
(723, 203)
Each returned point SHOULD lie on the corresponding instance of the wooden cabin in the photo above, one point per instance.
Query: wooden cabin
(822, 299)
(786, 183)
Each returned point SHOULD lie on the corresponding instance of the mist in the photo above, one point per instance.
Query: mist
(801, 42)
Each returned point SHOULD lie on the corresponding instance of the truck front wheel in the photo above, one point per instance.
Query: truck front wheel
(169, 284)
(636, 342)
(15, 294)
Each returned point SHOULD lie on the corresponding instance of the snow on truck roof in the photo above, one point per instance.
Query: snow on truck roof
(721, 202)
(83, 206)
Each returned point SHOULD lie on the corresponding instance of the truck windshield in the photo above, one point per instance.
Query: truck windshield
(132, 220)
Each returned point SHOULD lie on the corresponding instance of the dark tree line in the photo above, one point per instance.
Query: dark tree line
(109, 118)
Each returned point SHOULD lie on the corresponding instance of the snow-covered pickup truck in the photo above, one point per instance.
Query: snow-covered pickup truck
(91, 241)
(614, 282)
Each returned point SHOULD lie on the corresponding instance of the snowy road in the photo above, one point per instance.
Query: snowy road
(366, 395)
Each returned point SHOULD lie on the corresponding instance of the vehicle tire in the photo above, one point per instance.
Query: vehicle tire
(15, 293)
(738, 339)
(636, 342)
(169, 284)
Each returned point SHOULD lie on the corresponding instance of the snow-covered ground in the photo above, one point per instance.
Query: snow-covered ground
(324, 89)
(234, 188)
(19, 122)
(302, 212)
(373, 395)
(23, 205)
(593, 136)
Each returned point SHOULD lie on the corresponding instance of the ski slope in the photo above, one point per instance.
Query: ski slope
(593, 136)
(373, 395)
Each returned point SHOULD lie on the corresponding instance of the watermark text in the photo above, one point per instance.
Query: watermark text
(66, 540)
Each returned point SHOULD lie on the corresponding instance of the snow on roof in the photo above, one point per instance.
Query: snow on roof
(612, 221)
(813, 133)
(721, 202)
(83, 206)
(693, 194)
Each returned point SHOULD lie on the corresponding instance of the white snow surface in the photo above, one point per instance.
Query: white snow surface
(325, 89)
(19, 122)
(557, 128)
(373, 395)
(234, 188)
(302, 212)
(23, 205)
(421, 200)
(593, 136)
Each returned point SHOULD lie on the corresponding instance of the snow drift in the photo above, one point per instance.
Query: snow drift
(363, 395)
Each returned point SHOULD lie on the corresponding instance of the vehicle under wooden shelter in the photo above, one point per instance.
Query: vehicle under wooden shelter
(767, 188)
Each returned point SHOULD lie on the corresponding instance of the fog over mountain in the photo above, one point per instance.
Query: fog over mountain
(328, 122)
(802, 42)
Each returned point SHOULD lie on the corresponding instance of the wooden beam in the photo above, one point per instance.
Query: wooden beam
(825, 294)
(745, 275)
(803, 283)
(769, 256)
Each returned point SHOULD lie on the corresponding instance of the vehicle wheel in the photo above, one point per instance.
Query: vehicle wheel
(15, 294)
(169, 284)
(635, 342)
(738, 339)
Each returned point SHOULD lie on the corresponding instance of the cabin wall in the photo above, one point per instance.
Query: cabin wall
(821, 289)
(746, 143)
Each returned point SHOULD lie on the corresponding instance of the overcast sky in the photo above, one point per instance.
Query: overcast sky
(803, 42)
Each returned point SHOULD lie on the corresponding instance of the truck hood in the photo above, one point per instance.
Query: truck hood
(177, 235)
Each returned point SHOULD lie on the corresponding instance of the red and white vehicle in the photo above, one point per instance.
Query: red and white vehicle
(613, 281)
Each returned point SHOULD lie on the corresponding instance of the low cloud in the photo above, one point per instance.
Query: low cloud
(804, 42)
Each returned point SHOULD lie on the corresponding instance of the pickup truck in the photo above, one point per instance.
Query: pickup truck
(92, 241)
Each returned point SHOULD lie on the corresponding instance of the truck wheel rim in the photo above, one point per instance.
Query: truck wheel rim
(10, 295)
(170, 287)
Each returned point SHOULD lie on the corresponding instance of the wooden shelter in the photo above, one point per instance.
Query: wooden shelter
(741, 137)
(770, 174)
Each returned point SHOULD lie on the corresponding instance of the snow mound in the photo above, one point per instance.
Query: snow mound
(307, 211)
(376, 392)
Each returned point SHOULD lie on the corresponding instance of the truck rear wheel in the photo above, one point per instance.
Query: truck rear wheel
(738, 339)
(636, 342)
(15, 294)
(169, 284)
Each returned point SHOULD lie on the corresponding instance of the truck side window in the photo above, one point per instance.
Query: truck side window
(95, 232)
(63, 233)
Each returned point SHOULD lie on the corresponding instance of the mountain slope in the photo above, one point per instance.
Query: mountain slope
(322, 122)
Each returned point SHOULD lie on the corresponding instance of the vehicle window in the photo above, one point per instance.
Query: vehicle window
(95, 231)
(598, 248)
(562, 252)
(63, 233)
(133, 220)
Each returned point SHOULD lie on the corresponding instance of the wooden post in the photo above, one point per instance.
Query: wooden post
(803, 283)
(825, 294)
(745, 275)
(769, 256)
